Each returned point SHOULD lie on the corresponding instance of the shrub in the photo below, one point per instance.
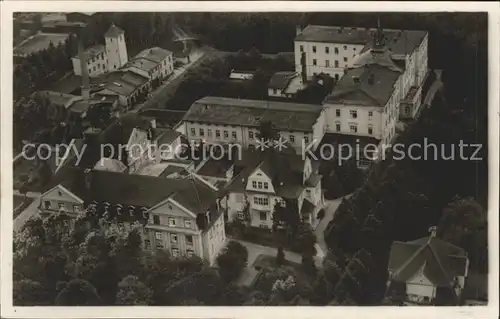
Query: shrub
(232, 260)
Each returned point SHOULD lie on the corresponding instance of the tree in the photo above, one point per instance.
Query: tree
(27, 292)
(280, 257)
(267, 132)
(232, 260)
(131, 291)
(78, 292)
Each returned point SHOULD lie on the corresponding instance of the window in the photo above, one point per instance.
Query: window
(171, 222)
(315, 62)
(314, 49)
(407, 110)
(94, 68)
(337, 126)
(264, 201)
(47, 204)
(190, 253)
(370, 130)
(90, 70)
(370, 114)
(260, 185)
(263, 215)
(175, 252)
(187, 223)
(156, 220)
(345, 47)
(336, 50)
(241, 216)
(327, 50)
(345, 59)
(306, 139)
(254, 184)
(337, 112)
(353, 113)
(337, 77)
(301, 48)
(266, 185)
(147, 244)
(353, 128)
(327, 63)
(62, 206)
(193, 131)
(202, 132)
(173, 238)
(158, 235)
(226, 134)
(336, 63)
(292, 138)
(209, 132)
(159, 245)
(234, 134)
(217, 133)
(189, 239)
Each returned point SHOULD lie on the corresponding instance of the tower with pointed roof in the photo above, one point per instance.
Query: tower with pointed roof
(116, 48)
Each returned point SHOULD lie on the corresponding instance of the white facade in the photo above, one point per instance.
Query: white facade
(97, 64)
(116, 51)
(328, 58)
(292, 88)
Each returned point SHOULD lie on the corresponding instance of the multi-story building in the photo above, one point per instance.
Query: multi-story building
(382, 85)
(264, 180)
(154, 63)
(427, 271)
(331, 49)
(101, 59)
(181, 216)
(218, 120)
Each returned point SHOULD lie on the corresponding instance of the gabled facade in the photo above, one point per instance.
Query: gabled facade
(281, 180)
(427, 271)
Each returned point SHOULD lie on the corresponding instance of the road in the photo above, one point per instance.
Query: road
(160, 95)
(330, 208)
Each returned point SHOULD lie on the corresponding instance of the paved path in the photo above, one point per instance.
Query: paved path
(28, 194)
(330, 208)
(30, 211)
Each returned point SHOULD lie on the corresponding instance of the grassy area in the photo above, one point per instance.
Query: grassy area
(265, 261)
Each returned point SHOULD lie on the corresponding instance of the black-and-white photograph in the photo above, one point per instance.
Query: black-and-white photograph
(252, 158)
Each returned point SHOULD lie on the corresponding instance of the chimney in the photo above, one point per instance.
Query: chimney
(298, 30)
(371, 79)
(432, 231)
(85, 91)
(304, 68)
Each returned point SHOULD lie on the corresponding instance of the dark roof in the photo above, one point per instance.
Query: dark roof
(399, 41)
(355, 88)
(164, 118)
(281, 80)
(119, 131)
(215, 168)
(171, 169)
(241, 112)
(441, 261)
(155, 54)
(114, 31)
(166, 136)
(285, 171)
(307, 208)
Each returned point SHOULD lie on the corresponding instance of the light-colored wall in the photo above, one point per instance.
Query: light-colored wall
(116, 51)
(96, 65)
(58, 196)
(363, 120)
(345, 51)
(214, 240)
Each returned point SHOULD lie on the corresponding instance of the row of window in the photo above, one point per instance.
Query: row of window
(173, 250)
(264, 201)
(327, 49)
(61, 206)
(327, 62)
(174, 239)
(353, 114)
(260, 185)
(353, 128)
(217, 133)
(99, 56)
(172, 222)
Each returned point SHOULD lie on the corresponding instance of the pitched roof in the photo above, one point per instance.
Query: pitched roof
(281, 80)
(355, 87)
(110, 164)
(142, 64)
(440, 261)
(92, 51)
(166, 136)
(113, 31)
(241, 112)
(399, 41)
(164, 118)
(155, 54)
(215, 168)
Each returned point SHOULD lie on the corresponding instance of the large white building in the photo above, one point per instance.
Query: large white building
(219, 120)
(104, 58)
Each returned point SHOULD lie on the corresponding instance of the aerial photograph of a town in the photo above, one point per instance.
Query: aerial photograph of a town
(250, 159)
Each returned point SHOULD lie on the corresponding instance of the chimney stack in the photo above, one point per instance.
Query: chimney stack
(85, 91)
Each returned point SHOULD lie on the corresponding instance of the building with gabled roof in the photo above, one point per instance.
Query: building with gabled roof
(284, 84)
(263, 180)
(179, 215)
(427, 271)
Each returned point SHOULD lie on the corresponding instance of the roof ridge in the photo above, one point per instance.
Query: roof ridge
(436, 256)
(415, 254)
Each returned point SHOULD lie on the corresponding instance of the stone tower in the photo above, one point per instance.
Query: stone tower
(116, 48)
